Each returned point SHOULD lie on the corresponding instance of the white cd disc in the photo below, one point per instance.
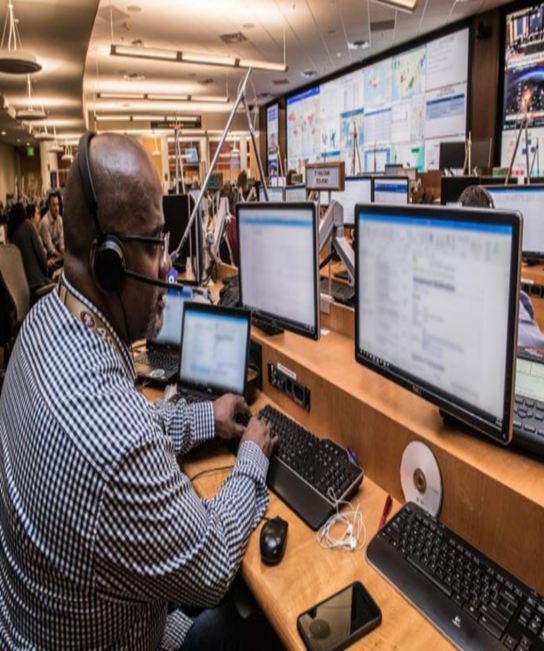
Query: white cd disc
(420, 477)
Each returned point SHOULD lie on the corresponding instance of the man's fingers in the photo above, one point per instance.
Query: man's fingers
(239, 429)
(241, 407)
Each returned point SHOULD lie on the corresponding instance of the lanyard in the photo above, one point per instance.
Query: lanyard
(88, 317)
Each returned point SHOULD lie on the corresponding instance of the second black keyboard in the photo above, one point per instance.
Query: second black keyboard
(305, 471)
(156, 359)
(472, 601)
(341, 292)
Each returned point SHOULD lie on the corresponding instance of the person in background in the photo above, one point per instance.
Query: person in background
(52, 229)
(529, 334)
(242, 186)
(33, 213)
(23, 233)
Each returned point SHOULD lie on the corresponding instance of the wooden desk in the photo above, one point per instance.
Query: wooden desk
(308, 574)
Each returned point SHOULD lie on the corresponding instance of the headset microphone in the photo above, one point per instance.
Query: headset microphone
(110, 261)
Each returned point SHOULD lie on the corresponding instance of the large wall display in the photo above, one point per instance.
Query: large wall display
(524, 88)
(397, 110)
(272, 138)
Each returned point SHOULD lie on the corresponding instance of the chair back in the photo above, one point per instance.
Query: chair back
(14, 280)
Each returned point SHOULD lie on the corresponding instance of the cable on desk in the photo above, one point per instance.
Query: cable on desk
(210, 470)
(354, 527)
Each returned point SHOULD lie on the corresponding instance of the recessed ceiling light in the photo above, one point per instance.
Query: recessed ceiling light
(308, 74)
(339, 54)
(4, 133)
(134, 9)
(28, 144)
(359, 45)
(18, 140)
(248, 25)
(403, 5)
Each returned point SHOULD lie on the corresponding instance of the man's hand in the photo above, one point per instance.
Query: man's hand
(260, 432)
(226, 408)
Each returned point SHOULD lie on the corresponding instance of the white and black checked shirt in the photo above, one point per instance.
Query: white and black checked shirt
(99, 528)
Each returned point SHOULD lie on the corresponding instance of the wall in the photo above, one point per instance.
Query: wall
(7, 171)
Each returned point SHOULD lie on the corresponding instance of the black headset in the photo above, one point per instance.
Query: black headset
(110, 260)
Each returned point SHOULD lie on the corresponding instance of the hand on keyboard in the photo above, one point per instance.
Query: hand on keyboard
(260, 432)
(226, 409)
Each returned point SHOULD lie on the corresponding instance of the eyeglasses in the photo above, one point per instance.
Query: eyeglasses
(162, 240)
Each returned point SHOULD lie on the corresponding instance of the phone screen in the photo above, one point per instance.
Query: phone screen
(330, 624)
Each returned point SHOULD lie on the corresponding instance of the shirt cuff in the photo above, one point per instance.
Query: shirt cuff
(253, 460)
(203, 421)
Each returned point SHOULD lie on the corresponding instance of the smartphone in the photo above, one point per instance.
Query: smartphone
(340, 620)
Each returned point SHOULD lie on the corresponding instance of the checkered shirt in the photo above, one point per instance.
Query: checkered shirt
(99, 528)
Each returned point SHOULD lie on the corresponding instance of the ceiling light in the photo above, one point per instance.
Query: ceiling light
(156, 152)
(152, 97)
(308, 74)
(4, 133)
(208, 59)
(121, 96)
(68, 156)
(359, 45)
(139, 52)
(44, 135)
(167, 98)
(134, 9)
(55, 147)
(402, 5)
(13, 59)
(30, 112)
(159, 54)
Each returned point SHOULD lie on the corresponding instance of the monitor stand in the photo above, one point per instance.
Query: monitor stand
(268, 326)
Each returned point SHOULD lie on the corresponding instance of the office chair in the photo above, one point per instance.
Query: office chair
(15, 298)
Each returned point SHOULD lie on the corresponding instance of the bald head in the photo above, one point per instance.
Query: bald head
(127, 189)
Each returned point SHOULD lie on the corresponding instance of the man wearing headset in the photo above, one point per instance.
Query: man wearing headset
(99, 529)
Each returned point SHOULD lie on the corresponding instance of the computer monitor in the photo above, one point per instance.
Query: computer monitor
(358, 190)
(452, 187)
(191, 156)
(529, 201)
(170, 333)
(295, 193)
(481, 153)
(452, 155)
(176, 209)
(437, 293)
(214, 349)
(392, 169)
(274, 194)
(279, 264)
(390, 190)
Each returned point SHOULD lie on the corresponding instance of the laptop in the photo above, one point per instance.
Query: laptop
(160, 360)
(214, 352)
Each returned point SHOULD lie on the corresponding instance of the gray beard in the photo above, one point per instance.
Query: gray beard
(154, 324)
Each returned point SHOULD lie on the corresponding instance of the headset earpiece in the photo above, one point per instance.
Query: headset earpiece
(110, 263)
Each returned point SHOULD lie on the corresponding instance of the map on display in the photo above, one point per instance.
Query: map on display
(397, 110)
(524, 88)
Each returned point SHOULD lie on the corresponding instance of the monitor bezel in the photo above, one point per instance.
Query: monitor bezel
(492, 189)
(458, 409)
(388, 179)
(214, 390)
(288, 324)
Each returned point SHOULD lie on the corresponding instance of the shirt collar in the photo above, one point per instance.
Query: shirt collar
(124, 351)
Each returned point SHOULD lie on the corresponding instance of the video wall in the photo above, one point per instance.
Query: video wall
(524, 89)
(397, 110)
(272, 138)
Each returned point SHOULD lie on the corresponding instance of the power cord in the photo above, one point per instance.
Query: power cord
(210, 470)
(351, 520)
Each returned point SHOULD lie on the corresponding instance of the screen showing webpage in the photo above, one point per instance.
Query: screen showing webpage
(391, 191)
(529, 201)
(278, 263)
(214, 350)
(421, 313)
(357, 191)
(170, 332)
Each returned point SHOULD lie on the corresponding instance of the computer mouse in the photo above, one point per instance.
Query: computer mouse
(273, 539)
(319, 629)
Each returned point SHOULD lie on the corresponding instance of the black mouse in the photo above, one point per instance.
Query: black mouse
(273, 539)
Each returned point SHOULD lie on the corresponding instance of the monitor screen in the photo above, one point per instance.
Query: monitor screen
(191, 156)
(452, 155)
(176, 211)
(274, 194)
(214, 349)
(452, 187)
(279, 264)
(424, 322)
(390, 190)
(295, 193)
(358, 190)
(529, 201)
(170, 333)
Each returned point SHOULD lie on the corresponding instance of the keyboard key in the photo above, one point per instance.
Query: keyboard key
(439, 584)
(525, 643)
(491, 627)
(472, 610)
(529, 428)
(510, 643)
(495, 615)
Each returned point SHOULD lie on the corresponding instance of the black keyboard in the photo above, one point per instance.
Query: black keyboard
(471, 600)
(341, 292)
(304, 468)
(268, 327)
(156, 359)
(529, 425)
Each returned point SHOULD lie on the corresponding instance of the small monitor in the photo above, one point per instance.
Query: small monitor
(214, 349)
(170, 333)
(437, 293)
(358, 190)
(191, 156)
(176, 209)
(295, 193)
(452, 187)
(390, 190)
(275, 194)
(279, 263)
(529, 201)
(481, 153)
(452, 155)
(393, 169)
